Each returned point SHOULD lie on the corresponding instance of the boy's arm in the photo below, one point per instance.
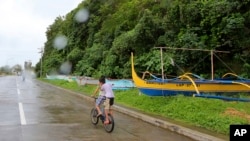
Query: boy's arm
(95, 92)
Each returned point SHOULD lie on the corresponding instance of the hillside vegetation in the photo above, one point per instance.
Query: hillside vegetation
(102, 44)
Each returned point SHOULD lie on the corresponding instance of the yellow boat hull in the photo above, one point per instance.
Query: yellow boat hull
(187, 85)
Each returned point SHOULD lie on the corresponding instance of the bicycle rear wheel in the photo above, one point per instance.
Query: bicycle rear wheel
(109, 127)
(93, 116)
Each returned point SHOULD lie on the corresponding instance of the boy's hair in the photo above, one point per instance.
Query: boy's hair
(102, 79)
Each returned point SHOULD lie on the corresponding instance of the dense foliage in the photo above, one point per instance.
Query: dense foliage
(115, 28)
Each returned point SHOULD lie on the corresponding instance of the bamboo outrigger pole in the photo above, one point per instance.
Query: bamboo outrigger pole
(162, 71)
(212, 65)
(211, 52)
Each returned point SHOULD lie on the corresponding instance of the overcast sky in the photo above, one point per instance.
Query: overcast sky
(23, 25)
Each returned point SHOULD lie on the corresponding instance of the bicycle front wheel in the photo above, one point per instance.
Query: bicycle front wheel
(110, 126)
(93, 116)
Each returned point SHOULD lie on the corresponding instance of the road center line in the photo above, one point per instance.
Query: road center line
(18, 91)
(22, 116)
(20, 105)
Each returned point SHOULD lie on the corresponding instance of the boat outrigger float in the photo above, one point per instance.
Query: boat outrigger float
(190, 84)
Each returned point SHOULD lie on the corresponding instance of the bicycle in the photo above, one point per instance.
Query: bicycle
(95, 119)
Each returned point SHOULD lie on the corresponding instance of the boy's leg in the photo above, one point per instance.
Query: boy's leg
(110, 110)
(106, 107)
(98, 110)
(99, 101)
(111, 102)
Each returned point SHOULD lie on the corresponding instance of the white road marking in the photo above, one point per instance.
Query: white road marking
(22, 116)
(20, 105)
(18, 91)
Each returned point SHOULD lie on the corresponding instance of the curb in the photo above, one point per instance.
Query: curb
(193, 134)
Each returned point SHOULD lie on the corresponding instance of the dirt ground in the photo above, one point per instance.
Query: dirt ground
(237, 113)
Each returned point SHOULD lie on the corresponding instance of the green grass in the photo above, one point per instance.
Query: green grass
(212, 114)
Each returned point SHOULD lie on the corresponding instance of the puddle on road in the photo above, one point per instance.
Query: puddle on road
(64, 113)
(63, 107)
(55, 110)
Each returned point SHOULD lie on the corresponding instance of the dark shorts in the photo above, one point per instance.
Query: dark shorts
(111, 101)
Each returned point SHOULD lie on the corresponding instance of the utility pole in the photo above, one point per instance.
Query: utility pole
(41, 60)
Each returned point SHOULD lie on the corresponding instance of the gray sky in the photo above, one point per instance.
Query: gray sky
(23, 25)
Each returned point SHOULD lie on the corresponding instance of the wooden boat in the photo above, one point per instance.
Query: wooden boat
(191, 85)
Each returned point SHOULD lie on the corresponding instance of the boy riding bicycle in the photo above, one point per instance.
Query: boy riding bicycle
(106, 95)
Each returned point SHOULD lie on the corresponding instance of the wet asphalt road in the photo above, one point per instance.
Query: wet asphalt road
(32, 111)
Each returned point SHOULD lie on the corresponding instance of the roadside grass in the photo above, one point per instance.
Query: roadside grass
(212, 114)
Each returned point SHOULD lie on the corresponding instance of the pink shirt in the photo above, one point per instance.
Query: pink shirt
(107, 89)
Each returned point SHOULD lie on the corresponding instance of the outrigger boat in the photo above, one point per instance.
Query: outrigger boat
(190, 84)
